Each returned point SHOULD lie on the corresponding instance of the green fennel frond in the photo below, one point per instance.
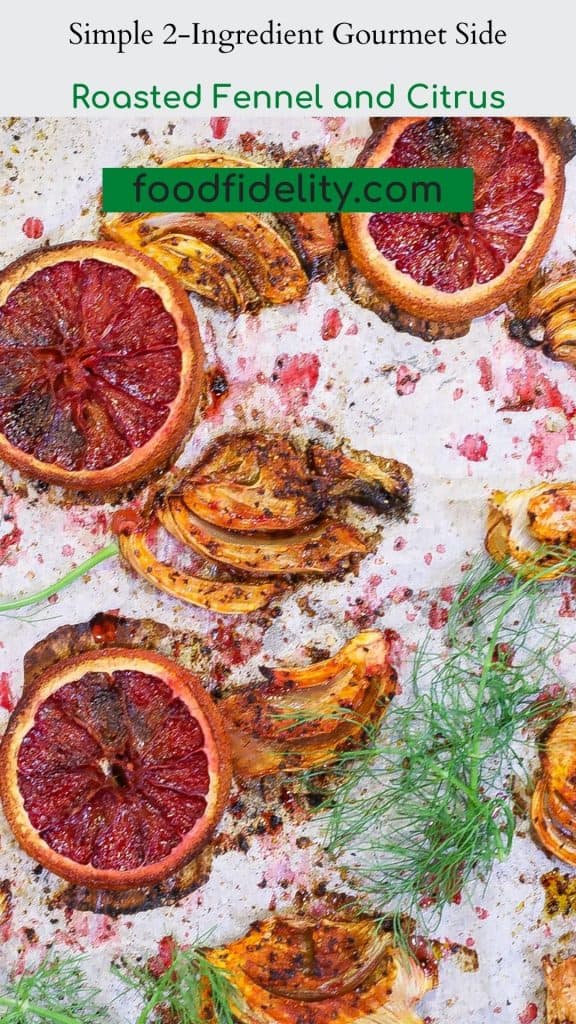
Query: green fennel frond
(425, 805)
(183, 991)
(56, 993)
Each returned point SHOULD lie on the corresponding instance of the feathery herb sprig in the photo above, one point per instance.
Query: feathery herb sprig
(425, 805)
(56, 993)
(182, 993)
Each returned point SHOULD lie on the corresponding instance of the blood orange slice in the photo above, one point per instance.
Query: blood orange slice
(100, 365)
(453, 267)
(114, 769)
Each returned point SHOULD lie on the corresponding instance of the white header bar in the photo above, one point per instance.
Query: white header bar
(185, 59)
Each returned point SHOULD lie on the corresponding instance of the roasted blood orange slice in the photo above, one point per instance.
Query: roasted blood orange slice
(100, 365)
(453, 267)
(114, 769)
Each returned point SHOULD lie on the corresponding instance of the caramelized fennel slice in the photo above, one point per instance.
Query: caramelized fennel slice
(304, 722)
(560, 978)
(360, 476)
(254, 482)
(368, 651)
(253, 756)
(251, 508)
(310, 233)
(229, 598)
(262, 482)
(257, 266)
(325, 550)
(201, 268)
(322, 971)
(553, 808)
(552, 515)
(270, 265)
(552, 837)
(510, 528)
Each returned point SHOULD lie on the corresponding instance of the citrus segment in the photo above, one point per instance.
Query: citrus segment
(116, 769)
(101, 365)
(458, 266)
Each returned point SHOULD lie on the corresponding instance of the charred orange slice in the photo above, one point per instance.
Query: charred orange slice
(101, 365)
(115, 769)
(322, 971)
(302, 717)
(454, 267)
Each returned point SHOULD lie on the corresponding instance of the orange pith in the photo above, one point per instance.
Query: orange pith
(114, 769)
(101, 365)
(452, 267)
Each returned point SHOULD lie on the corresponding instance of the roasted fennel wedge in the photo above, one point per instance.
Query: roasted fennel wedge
(301, 717)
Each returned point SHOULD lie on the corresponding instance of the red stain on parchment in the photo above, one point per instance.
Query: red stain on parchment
(219, 126)
(545, 444)
(331, 124)
(9, 540)
(566, 609)
(367, 606)
(159, 964)
(296, 377)
(33, 227)
(437, 616)
(481, 913)
(331, 325)
(529, 1013)
(94, 522)
(473, 447)
(400, 594)
(530, 388)
(247, 141)
(86, 931)
(406, 380)
(486, 376)
(6, 697)
(234, 647)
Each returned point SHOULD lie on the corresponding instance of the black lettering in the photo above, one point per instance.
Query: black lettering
(74, 31)
(426, 188)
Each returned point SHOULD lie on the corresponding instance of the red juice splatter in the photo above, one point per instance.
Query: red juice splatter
(33, 227)
(545, 445)
(473, 447)
(486, 374)
(529, 1013)
(219, 126)
(437, 616)
(331, 325)
(296, 376)
(6, 699)
(406, 380)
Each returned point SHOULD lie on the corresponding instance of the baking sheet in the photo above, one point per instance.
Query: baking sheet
(469, 416)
